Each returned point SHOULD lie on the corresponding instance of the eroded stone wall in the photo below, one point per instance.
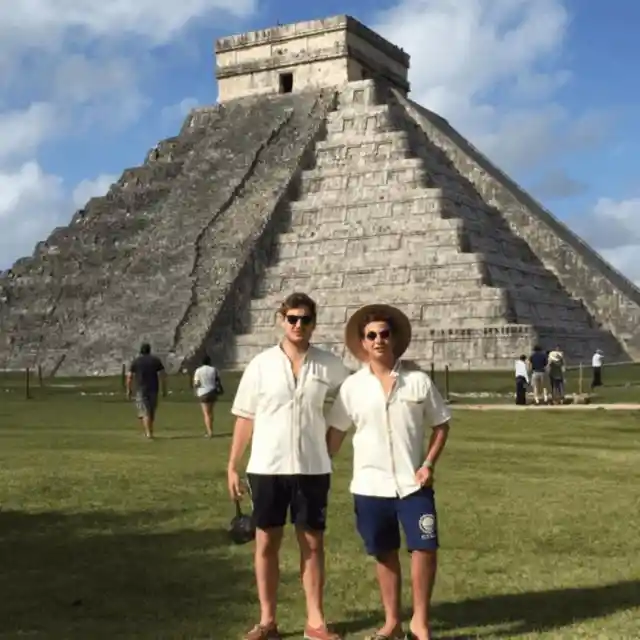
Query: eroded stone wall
(611, 299)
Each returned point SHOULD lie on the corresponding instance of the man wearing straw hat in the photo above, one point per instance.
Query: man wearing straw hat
(391, 404)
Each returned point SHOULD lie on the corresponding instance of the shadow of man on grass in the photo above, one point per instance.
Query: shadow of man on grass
(118, 575)
(520, 613)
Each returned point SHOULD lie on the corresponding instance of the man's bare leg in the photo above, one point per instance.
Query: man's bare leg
(389, 573)
(424, 566)
(267, 567)
(311, 544)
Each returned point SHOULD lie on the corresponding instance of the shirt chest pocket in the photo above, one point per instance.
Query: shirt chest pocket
(412, 404)
(316, 389)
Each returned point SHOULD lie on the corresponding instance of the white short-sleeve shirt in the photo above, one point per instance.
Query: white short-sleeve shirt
(389, 438)
(205, 379)
(289, 425)
(597, 360)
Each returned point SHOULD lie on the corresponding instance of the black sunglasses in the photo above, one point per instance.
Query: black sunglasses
(372, 335)
(293, 319)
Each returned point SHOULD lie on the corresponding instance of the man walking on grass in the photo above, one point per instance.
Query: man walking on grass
(149, 374)
(279, 410)
(392, 404)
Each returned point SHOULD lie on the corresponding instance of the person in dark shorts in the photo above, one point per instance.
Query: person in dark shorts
(401, 427)
(148, 373)
(556, 368)
(208, 386)
(279, 409)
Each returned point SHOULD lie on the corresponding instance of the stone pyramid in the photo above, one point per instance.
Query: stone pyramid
(316, 173)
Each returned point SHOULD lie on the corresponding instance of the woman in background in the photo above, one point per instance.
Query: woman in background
(208, 386)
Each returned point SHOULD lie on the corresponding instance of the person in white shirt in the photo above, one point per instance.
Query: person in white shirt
(279, 408)
(208, 386)
(596, 365)
(392, 405)
(522, 380)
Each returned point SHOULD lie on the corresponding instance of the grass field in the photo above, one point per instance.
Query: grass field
(106, 535)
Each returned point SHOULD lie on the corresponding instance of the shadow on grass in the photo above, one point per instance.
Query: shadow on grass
(105, 575)
(521, 613)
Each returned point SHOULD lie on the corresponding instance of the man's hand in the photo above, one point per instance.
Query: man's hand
(424, 477)
(236, 489)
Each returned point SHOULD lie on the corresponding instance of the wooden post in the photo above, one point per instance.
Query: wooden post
(27, 387)
(40, 375)
(446, 382)
(432, 372)
(580, 378)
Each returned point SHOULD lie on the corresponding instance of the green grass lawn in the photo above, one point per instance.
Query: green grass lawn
(106, 535)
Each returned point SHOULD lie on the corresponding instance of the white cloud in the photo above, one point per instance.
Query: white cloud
(43, 22)
(180, 110)
(613, 227)
(74, 65)
(88, 189)
(30, 202)
(22, 131)
(492, 67)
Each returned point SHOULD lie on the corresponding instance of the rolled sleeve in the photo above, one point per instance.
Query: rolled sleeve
(338, 416)
(245, 402)
(435, 410)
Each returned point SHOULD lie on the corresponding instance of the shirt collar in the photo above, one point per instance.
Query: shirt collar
(395, 372)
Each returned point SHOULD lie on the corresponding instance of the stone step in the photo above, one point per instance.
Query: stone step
(383, 197)
(359, 122)
(328, 196)
(391, 293)
(427, 211)
(396, 172)
(420, 242)
(389, 145)
(435, 229)
(360, 94)
(319, 272)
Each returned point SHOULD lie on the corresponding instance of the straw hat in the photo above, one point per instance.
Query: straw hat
(401, 332)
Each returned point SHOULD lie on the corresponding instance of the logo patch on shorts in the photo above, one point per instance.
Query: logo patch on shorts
(427, 525)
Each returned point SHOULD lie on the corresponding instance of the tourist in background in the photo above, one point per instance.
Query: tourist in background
(279, 409)
(596, 367)
(392, 406)
(538, 361)
(148, 373)
(522, 380)
(208, 386)
(556, 370)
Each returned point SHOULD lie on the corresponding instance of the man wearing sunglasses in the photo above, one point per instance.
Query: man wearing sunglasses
(392, 404)
(279, 409)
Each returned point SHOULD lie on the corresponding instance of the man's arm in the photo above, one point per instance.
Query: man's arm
(242, 432)
(335, 438)
(339, 422)
(437, 442)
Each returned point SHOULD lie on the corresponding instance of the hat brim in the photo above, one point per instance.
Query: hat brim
(401, 333)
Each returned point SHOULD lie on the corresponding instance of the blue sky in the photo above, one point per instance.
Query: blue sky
(545, 87)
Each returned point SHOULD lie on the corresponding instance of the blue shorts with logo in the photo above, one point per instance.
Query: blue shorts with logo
(379, 520)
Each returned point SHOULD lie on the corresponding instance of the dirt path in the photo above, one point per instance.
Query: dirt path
(622, 406)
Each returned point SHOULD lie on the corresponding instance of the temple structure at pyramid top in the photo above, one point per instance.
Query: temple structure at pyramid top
(315, 171)
(307, 55)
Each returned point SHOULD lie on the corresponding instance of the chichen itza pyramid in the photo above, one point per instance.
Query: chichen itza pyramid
(315, 172)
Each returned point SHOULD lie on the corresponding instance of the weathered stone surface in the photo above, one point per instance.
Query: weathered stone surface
(353, 194)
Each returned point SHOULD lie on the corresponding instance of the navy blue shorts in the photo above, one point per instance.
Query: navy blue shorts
(379, 519)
